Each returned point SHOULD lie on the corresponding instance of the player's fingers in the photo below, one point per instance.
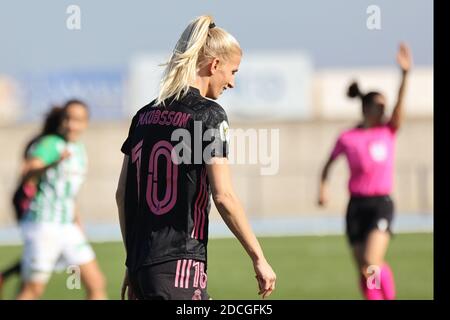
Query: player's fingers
(267, 293)
(267, 284)
(260, 284)
(264, 285)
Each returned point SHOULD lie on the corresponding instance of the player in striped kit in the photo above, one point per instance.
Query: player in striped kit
(51, 228)
(26, 189)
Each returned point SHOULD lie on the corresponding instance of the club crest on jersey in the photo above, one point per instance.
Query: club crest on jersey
(224, 131)
(378, 151)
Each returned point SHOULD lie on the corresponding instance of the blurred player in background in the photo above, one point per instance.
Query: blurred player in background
(369, 149)
(26, 189)
(164, 202)
(56, 164)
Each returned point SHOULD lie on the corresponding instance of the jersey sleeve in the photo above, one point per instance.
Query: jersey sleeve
(216, 134)
(337, 149)
(126, 146)
(48, 149)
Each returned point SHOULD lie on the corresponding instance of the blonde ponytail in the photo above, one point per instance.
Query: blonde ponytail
(199, 41)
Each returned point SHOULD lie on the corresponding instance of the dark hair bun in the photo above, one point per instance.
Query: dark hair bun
(353, 90)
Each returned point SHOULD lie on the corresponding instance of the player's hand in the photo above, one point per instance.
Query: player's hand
(404, 57)
(265, 276)
(126, 285)
(323, 199)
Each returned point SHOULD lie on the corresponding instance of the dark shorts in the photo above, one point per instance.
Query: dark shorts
(183, 279)
(365, 214)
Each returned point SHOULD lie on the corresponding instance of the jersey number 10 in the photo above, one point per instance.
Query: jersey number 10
(160, 149)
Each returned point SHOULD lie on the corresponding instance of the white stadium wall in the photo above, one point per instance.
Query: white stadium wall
(269, 86)
(284, 86)
(274, 90)
(330, 87)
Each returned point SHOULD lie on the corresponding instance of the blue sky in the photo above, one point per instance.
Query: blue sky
(35, 38)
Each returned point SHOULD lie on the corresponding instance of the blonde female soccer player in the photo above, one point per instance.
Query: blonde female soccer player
(175, 158)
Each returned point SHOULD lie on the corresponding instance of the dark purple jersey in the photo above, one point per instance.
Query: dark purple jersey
(167, 197)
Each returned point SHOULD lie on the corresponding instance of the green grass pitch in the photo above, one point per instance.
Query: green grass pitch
(307, 267)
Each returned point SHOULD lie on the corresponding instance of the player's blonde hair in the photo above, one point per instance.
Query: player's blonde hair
(200, 42)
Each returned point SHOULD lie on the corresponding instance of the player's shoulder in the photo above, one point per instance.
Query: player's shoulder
(140, 111)
(389, 129)
(145, 108)
(201, 105)
(204, 109)
(211, 108)
(50, 140)
(47, 146)
(349, 131)
(214, 107)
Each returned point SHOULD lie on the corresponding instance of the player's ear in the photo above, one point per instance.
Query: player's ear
(214, 65)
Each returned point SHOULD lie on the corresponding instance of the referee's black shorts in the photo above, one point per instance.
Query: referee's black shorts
(183, 279)
(365, 214)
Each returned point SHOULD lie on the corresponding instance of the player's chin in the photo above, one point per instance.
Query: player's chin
(216, 96)
(73, 137)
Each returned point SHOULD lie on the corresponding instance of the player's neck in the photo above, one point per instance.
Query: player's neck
(201, 83)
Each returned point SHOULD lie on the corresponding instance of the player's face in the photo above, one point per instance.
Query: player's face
(375, 111)
(75, 121)
(223, 74)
